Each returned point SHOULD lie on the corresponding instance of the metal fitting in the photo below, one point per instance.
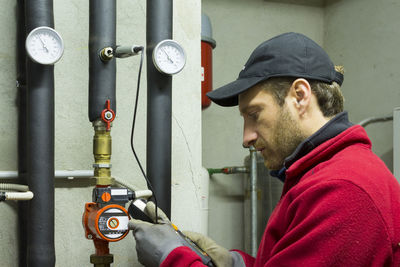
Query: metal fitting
(108, 115)
(102, 154)
(102, 165)
(107, 53)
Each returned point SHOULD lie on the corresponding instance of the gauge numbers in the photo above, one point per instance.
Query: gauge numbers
(169, 57)
(44, 45)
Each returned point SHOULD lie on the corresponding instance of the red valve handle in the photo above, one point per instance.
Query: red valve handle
(103, 115)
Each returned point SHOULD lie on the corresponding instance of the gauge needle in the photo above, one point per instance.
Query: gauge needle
(170, 60)
(44, 44)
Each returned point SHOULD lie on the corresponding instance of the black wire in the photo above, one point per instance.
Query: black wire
(133, 129)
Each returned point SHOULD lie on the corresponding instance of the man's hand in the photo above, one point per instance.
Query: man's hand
(220, 256)
(154, 241)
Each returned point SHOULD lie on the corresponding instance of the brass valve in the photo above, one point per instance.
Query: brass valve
(102, 154)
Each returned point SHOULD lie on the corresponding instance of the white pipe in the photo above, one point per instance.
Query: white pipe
(57, 174)
(19, 195)
(8, 174)
(143, 194)
(74, 173)
(18, 187)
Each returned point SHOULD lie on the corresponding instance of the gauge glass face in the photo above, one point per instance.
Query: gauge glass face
(169, 57)
(44, 45)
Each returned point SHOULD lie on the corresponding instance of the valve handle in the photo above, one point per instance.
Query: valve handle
(108, 115)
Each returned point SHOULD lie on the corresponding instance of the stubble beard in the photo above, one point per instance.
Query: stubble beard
(285, 138)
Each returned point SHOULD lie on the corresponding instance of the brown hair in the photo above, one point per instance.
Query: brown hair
(329, 96)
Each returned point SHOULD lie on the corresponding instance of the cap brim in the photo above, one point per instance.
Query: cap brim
(228, 95)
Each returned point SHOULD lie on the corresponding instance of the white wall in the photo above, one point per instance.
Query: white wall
(238, 27)
(74, 132)
(361, 35)
(364, 37)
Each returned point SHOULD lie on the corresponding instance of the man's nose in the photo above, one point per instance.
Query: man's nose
(249, 136)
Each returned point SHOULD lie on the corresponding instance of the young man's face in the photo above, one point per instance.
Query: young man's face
(270, 128)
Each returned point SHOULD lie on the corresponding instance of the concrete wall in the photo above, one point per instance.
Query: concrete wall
(238, 27)
(74, 133)
(364, 37)
(361, 35)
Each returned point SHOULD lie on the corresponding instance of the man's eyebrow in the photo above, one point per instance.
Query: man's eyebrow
(243, 110)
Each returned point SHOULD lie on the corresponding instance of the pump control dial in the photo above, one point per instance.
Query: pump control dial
(169, 57)
(44, 45)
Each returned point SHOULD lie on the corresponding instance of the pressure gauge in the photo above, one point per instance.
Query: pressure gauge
(44, 45)
(169, 57)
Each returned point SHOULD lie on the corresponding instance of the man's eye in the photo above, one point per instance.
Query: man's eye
(253, 115)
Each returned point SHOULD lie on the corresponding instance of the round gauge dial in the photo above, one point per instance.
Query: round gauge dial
(44, 45)
(169, 57)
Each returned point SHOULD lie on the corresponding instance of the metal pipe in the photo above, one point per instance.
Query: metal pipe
(57, 174)
(396, 143)
(367, 121)
(159, 107)
(253, 201)
(228, 170)
(22, 131)
(40, 108)
(102, 74)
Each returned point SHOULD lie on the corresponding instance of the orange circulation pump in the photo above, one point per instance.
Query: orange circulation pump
(104, 220)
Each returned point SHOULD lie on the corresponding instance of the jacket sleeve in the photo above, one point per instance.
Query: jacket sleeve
(335, 223)
(185, 257)
(182, 256)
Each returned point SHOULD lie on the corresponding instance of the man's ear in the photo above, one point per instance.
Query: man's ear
(300, 91)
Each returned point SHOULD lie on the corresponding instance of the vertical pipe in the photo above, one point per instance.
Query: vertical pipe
(22, 131)
(102, 33)
(159, 108)
(253, 201)
(396, 143)
(40, 108)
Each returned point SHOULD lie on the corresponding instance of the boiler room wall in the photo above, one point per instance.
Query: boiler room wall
(238, 27)
(364, 37)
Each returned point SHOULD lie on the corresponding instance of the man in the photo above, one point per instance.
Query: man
(340, 205)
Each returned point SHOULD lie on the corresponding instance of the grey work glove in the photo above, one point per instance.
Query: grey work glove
(220, 256)
(154, 241)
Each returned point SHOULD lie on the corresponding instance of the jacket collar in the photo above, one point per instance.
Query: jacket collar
(332, 128)
(353, 135)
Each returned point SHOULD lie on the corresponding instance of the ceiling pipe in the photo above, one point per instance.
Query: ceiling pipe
(159, 107)
(22, 131)
(40, 167)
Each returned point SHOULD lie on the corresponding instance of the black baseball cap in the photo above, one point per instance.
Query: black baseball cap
(286, 55)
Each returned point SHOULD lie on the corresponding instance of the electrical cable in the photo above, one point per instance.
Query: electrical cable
(133, 129)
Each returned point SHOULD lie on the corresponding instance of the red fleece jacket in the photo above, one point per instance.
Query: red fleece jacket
(340, 206)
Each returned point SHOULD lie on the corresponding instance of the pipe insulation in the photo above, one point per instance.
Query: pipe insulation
(16, 195)
(22, 130)
(102, 74)
(17, 187)
(40, 168)
(159, 105)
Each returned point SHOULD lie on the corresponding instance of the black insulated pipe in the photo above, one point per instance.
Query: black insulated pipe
(102, 34)
(22, 131)
(159, 105)
(40, 108)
